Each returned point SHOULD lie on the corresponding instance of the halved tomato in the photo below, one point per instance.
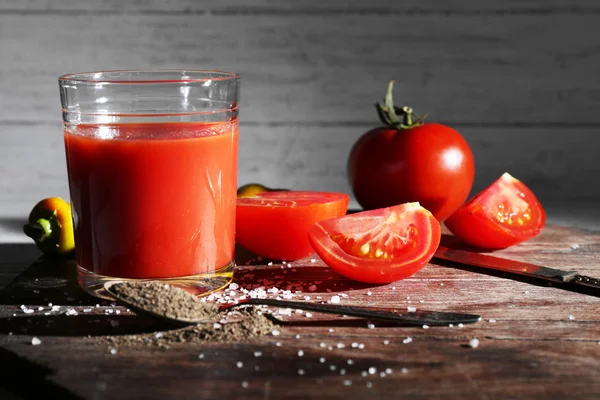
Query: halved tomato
(275, 224)
(502, 215)
(378, 246)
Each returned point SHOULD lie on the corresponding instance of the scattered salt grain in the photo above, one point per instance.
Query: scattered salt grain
(201, 356)
(407, 340)
(370, 326)
(244, 384)
(312, 260)
(388, 371)
(347, 382)
(71, 312)
(335, 299)
(322, 360)
(361, 346)
(411, 309)
(258, 353)
(425, 326)
(369, 293)
(300, 372)
(386, 342)
(342, 371)
(308, 315)
(312, 288)
(239, 364)
(234, 286)
(382, 374)
(300, 353)
(364, 373)
(474, 343)
(35, 341)
(574, 246)
(217, 325)
(571, 317)
(270, 263)
(297, 336)
(332, 367)
(113, 351)
(404, 370)
(340, 345)
(372, 370)
(460, 325)
(330, 330)
(275, 333)
(369, 385)
(492, 321)
(278, 344)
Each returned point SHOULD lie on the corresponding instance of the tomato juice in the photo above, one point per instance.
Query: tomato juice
(153, 200)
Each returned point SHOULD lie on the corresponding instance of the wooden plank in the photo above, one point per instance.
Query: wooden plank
(322, 69)
(314, 6)
(14, 259)
(556, 166)
(542, 343)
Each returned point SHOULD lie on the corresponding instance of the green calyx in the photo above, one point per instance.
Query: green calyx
(399, 118)
(41, 229)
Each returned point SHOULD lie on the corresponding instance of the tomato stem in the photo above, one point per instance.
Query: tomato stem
(390, 114)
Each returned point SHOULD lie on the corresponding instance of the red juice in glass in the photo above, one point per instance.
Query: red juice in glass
(153, 179)
(156, 200)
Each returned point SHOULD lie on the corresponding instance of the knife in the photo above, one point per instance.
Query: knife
(568, 279)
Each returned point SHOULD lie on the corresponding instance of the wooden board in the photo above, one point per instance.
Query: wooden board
(555, 167)
(515, 77)
(535, 341)
(465, 62)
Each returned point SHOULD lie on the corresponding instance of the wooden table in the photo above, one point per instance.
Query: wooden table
(535, 341)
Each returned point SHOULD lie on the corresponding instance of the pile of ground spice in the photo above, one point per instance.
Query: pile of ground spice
(248, 323)
(164, 299)
(241, 324)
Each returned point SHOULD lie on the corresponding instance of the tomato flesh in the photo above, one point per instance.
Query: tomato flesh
(275, 224)
(502, 215)
(378, 246)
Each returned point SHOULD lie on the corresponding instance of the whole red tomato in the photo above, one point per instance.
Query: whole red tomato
(409, 160)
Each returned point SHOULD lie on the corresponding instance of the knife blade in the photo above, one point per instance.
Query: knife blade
(485, 261)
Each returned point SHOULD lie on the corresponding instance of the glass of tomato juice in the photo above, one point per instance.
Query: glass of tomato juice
(152, 168)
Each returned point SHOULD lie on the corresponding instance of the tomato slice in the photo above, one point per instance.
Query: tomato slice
(378, 246)
(275, 225)
(502, 215)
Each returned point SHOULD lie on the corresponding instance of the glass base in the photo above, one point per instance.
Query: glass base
(199, 285)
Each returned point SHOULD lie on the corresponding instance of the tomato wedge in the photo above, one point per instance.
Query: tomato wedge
(275, 225)
(378, 246)
(502, 215)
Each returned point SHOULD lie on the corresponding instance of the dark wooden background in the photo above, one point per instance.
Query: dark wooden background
(519, 79)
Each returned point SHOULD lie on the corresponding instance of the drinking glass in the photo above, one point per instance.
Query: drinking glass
(152, 168)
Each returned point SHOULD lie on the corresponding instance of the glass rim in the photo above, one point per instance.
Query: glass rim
(87, 77)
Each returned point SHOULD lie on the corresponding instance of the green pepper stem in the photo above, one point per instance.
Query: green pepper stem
(39, 230)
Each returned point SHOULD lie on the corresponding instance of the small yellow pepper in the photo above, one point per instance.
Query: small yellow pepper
(50, 225)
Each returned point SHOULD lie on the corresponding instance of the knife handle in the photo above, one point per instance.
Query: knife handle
(586, 281)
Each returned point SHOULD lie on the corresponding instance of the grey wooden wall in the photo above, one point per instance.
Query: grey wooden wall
(519, 79)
